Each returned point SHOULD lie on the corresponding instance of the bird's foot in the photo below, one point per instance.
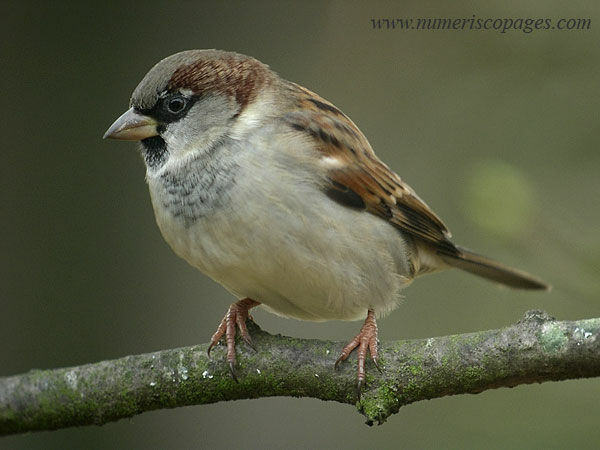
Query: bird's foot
(365, 340)
(237, 314)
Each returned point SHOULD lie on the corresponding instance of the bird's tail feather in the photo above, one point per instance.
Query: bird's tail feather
(487, 268)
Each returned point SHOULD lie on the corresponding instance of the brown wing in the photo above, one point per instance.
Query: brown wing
(358, 177)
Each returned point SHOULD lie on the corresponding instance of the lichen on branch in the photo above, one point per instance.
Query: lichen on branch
(536, 349)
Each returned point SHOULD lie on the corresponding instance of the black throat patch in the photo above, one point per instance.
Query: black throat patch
(154, 150)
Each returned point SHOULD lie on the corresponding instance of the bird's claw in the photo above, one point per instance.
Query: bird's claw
(236, 317)
(365, 340)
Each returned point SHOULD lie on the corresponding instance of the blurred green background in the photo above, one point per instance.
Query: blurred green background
(497, 132)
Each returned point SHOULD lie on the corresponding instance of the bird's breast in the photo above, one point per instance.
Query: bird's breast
(271, 234)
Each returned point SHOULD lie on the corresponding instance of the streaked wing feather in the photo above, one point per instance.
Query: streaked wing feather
(358, 171)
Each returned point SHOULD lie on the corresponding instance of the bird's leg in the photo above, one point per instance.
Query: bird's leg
(237, 314)
(366, 339)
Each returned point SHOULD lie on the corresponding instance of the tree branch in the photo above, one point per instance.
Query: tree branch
(536, 349)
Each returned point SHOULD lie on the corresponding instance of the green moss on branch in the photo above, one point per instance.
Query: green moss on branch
(536, 349)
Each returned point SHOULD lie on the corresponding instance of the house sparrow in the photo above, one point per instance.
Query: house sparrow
(272, 191)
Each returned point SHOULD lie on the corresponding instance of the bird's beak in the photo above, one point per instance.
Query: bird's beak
(132, 126)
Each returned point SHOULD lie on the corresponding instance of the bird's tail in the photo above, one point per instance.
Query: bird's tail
(492, 270)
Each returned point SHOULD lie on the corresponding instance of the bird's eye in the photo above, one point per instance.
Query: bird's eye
(176, 105)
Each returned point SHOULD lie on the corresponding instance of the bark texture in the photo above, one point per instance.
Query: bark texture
(536, 349)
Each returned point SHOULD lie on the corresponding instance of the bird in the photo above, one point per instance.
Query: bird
(273, 192)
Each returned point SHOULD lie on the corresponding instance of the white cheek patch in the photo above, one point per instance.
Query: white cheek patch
(332, 163)
(249, 119)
